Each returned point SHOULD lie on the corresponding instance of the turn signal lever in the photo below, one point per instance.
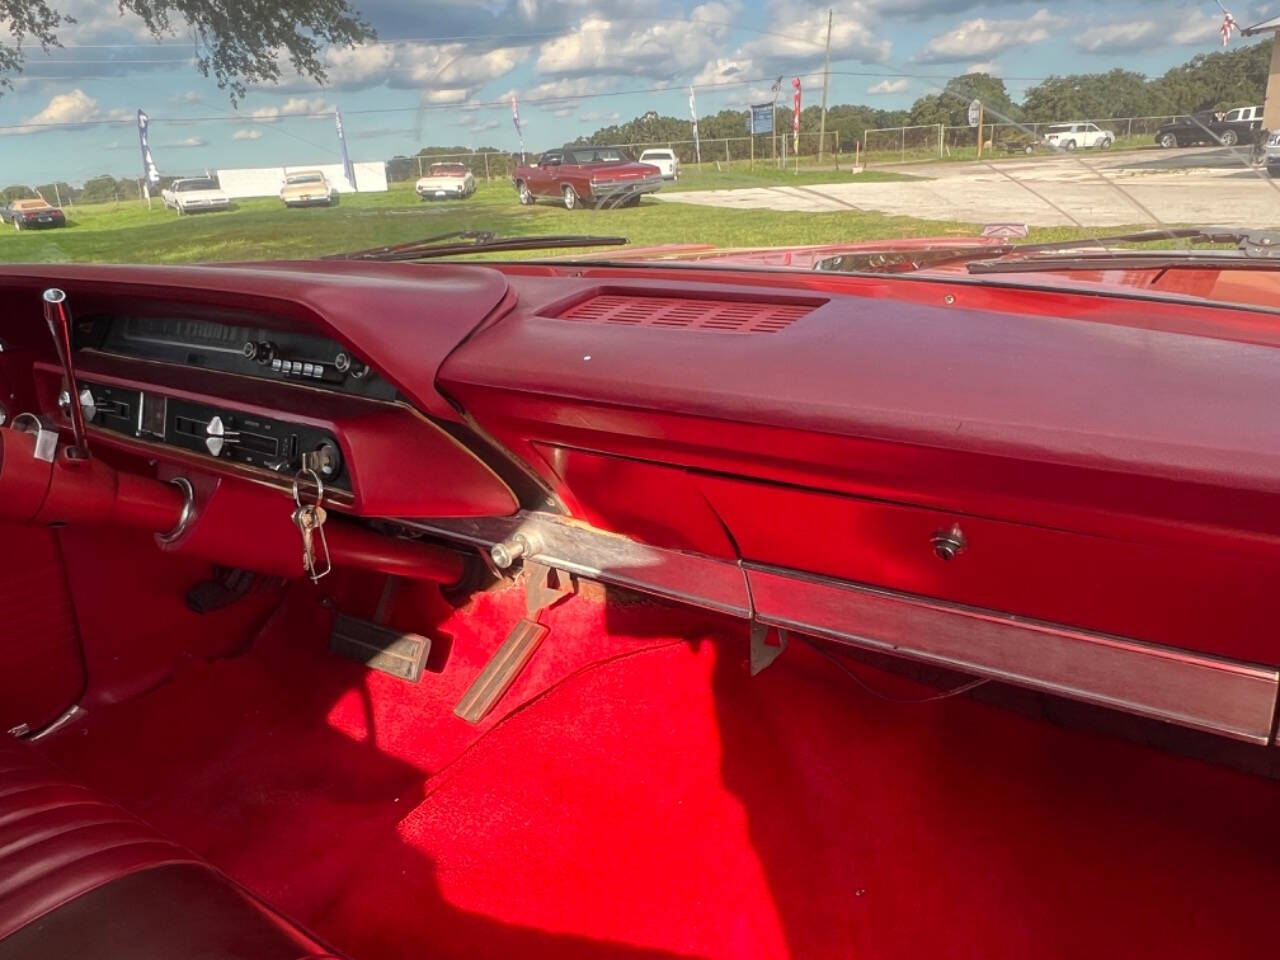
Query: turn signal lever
(58, 318)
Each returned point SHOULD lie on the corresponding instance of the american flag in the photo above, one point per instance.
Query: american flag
(777, 85)
(1228, 24)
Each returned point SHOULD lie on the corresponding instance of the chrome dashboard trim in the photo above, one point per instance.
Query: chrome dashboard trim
(188, 511)
(1210, 693)
(1226, 697)
(574, 547)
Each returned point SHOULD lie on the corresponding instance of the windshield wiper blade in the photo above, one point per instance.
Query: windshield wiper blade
(468, 241)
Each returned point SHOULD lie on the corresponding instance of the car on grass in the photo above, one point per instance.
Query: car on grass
(446, 181)
(33, 214)
(1072, 136)
(665, 160)
(1223, 127)
(584, 175)
(307, 188)
(193, 194)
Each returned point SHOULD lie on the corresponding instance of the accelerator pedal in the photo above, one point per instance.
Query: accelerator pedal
(544, 587)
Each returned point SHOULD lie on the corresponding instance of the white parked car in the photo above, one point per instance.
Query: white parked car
(306, 188)
(446, 181)
(1069, 136)
(195, 193)
(664, 160)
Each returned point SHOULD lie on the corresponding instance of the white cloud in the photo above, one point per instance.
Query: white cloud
(68, 111)
(1114, 37)
(888, 86)
(983, 37)
(429, 67)
(598, 45)
(1194, 28)
(188, 142)
(294, 107)
(987, 66)
(247, 135)
(190, 97)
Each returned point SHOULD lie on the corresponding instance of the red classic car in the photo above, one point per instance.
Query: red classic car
(896, 600)
(583, 175)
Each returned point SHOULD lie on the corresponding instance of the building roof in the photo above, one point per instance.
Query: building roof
(1270, 25)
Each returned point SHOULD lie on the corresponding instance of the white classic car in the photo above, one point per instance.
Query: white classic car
(665, 160)
(1068, 136)
(195, 193)
(445, 181)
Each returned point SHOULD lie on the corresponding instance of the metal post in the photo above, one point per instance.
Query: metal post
(726, 150)
(903, 148)
(826, 77)
(486, 166)
(941, 134)
(419, 165)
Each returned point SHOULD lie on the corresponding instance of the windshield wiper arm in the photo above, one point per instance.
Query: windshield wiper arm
(1253, 249)
(468, 241)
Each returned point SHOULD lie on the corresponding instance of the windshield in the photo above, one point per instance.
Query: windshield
(776, 135)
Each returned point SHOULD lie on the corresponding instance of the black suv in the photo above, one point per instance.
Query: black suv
(1228, 129)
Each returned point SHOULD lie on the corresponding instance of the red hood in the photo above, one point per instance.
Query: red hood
(1244, 287)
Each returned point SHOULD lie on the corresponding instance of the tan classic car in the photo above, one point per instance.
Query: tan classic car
(307, 188)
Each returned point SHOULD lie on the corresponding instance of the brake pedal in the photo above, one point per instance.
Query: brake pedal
(400, 654)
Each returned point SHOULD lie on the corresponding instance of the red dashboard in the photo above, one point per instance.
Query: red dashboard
(1035, 455)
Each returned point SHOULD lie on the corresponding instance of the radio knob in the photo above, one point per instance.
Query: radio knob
(264, 351)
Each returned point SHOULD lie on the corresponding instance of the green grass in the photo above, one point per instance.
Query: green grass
(262, 229)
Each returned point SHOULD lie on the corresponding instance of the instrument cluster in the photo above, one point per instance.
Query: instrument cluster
(241, 347)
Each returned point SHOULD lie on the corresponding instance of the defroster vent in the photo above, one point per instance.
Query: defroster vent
(688, 313)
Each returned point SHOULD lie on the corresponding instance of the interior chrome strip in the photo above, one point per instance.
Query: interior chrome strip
(572, 546)
(1194, 690)
(1210, 693)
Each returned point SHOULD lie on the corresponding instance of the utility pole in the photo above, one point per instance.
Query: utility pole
(826, 78)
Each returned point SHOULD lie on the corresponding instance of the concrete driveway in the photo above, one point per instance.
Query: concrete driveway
(1200, 186)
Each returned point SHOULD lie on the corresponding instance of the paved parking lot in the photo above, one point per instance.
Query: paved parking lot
(1190, 185)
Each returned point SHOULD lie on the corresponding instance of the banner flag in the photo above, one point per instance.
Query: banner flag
(693, 112)
(795, 119)
(348, 170)
(150, 175)
(515, 118)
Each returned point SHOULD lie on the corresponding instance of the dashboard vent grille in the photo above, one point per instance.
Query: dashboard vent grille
(713, 316)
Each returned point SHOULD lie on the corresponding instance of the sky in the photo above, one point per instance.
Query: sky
(444, 71)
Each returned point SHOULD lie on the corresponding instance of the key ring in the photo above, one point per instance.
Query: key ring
(297, 492)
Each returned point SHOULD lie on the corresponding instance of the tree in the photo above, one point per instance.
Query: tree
(951, 106)
(238, 43)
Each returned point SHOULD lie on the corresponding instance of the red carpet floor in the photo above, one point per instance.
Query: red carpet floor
(639, 795)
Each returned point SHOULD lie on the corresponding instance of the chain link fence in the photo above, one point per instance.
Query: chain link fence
(938, 141)
(761, 150)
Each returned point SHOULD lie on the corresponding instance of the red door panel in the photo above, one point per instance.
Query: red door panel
(41, 670)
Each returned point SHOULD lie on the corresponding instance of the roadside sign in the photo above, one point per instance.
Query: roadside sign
(975, 110)
(762, 118)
